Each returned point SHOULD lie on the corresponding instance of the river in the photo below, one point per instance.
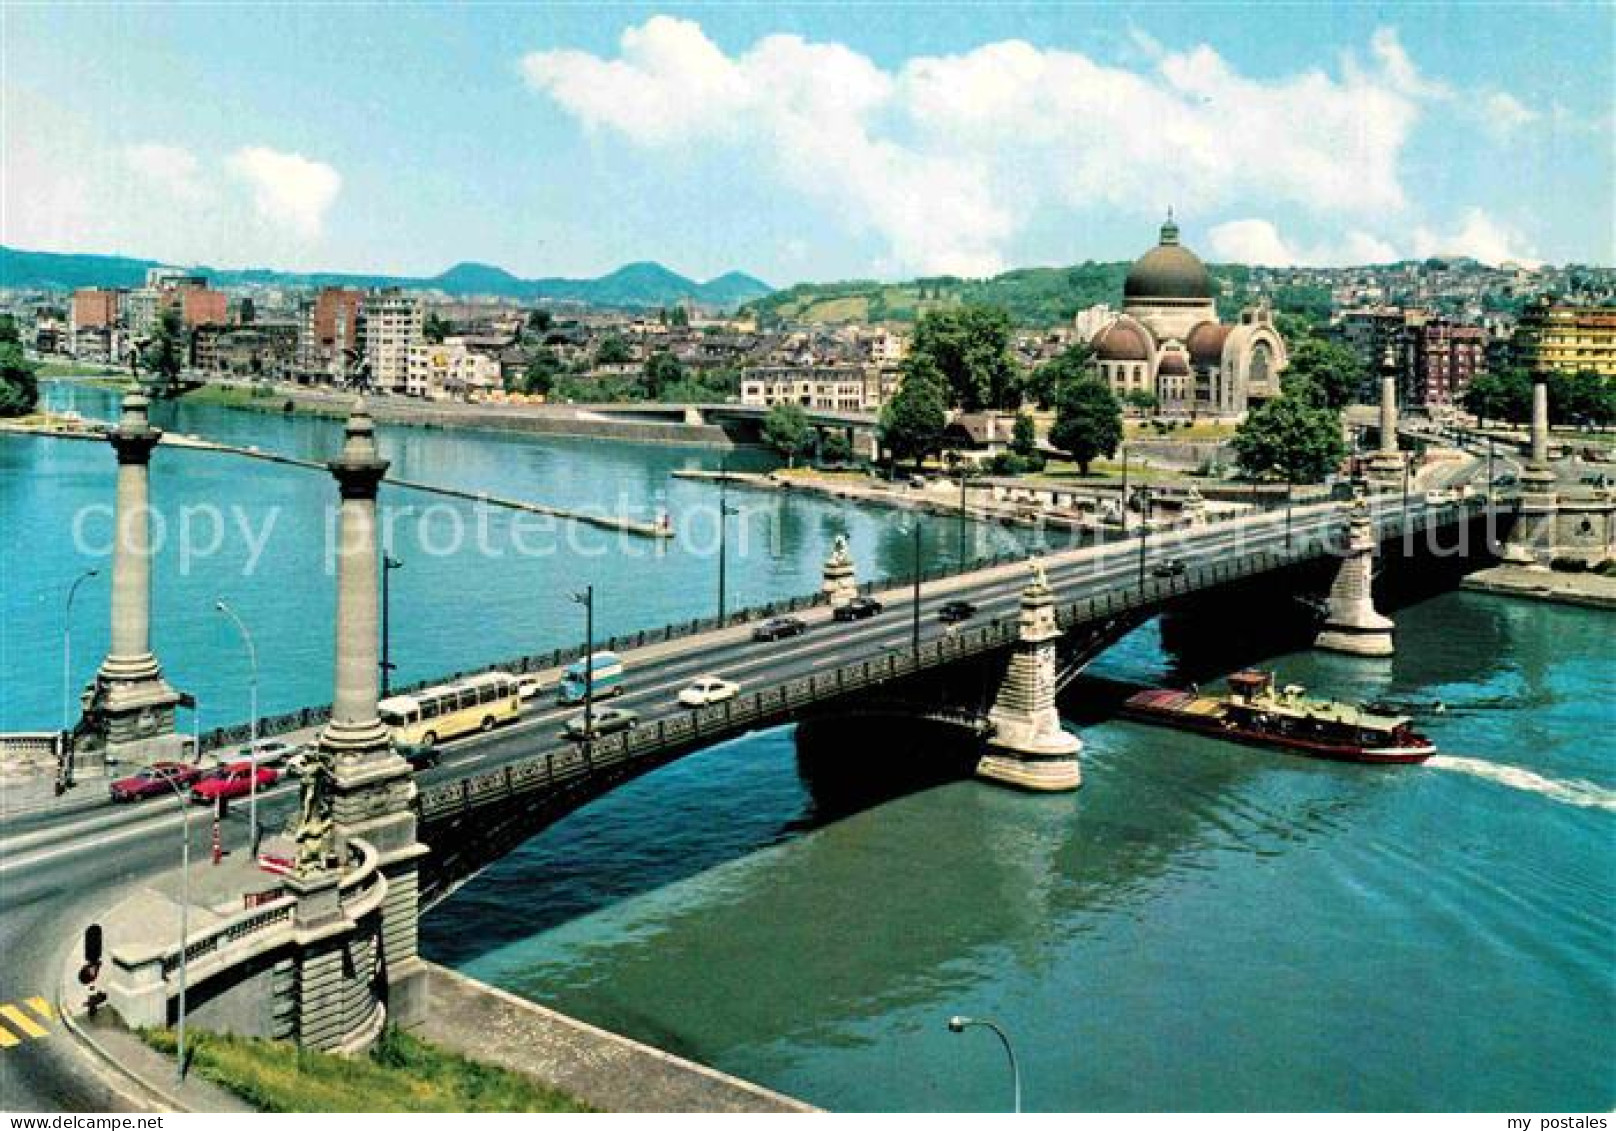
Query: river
(1200, 927)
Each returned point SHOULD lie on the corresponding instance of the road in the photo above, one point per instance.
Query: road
(83, 854)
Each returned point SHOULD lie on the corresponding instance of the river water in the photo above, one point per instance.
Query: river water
(1200, 927)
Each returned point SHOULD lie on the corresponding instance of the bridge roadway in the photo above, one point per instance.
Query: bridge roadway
(57, 865)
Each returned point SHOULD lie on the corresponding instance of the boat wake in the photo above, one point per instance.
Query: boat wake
(1583, 794)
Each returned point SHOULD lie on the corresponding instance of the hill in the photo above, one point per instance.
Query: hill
(635, 285)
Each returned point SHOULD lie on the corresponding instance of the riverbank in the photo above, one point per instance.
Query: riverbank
(1587, 590)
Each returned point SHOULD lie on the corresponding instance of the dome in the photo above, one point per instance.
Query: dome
(1205, 342)
(1122, 340)
(1168, 271)
(1173, 364)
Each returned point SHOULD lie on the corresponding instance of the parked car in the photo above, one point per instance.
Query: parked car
(777, 628)
(859, 608)
(234, 780)
(154, 780)
(956, 611)
(1171, 567)
(707, 690)
(605, 720)
(528, 687)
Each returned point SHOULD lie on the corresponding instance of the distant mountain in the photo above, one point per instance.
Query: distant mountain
(635, 285)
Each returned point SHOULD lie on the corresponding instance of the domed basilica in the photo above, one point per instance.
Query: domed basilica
(1168, 340)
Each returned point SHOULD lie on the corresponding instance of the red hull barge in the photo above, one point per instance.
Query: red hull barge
(1255, 714)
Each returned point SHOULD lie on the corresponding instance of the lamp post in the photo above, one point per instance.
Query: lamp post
(959, 1024)
(252, 742)
(1287, 515)
(964, 475)
(64, 758)
(169, 779)
(724, 512)
(1144, 532)
(587, 600)
(914, 631)
(1489, 471)
(389, 564)
(1124, 510)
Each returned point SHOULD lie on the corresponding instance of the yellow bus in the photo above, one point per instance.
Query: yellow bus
(436, 714)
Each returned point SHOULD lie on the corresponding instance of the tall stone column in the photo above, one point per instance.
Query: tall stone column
(1532, 541)
(372, 788)
(129, 707)
(1029, 748)
(1387, 463)
(1352, 624)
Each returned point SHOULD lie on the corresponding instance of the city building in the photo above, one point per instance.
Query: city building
(266, 350)
(1446, 356)
(328, 327)
(392, 323)
(1168, 339)
(1554, 336)
(451, 370)
(93, 328)
(844, 388)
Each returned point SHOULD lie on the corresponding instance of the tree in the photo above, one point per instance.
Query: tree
(662, 370)
(434, 329)
(1088, 422)
(1042, 385)
(613, 351)
(787, 431)
(1584, 398)
(1024, 437)
(9, 334)
(540, 321)
(539, 377)
(1289, 438)
(970, 348)
(912, 422)
(1328, 374)
(19, 382)
(1499, 396)
(680, 318)
(164, 355)
(1142, 399)
(836, 447)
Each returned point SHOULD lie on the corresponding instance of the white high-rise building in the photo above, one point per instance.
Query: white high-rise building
(393, 322)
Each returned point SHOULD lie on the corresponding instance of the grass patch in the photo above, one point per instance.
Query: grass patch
(82, 369)
(402, 1073)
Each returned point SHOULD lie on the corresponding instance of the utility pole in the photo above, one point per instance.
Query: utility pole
(1144, 531)
(389, 564)
(724, 512)
(587, 600)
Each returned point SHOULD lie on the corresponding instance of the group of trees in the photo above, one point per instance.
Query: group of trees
(1583, 399)
(1297, 436)
(19, 382)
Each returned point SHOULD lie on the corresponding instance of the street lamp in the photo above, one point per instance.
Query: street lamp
(167, 776)
(389, 564)
(64, 758)
(1489, 471)
(724, 512)
(587, 600)
(252, 742)
(957, 1024)
(1144, 532)
(1287, 514)
(914, 632)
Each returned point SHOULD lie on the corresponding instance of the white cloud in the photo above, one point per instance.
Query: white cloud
(1503, 113)
(170, 169)
(946, 157)
(288, 189)
(1259, 242)
(1478, 236)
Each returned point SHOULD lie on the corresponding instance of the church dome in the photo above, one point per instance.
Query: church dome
(1173, 364)
(1123, 340)
(1168, 271)
(1206, 342)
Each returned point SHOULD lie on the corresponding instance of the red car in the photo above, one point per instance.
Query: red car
(232, 781)
(154, 781)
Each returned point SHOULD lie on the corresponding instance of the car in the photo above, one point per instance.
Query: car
(1171, 567)
(707, 690)
(605, 720)
(1441, 496)
(777, 628)
(419, 755)
(528, 687)
(159, 778)
(859, 608)
(265, 752)
(956, 611)
(234, 780)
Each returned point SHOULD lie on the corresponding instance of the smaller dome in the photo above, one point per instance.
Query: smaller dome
(1205, 342)
(1122, 340)
(1174, 364)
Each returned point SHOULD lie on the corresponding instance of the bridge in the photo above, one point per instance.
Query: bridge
(332, 944)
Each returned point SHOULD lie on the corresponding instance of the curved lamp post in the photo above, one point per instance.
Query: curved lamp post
(252, 741)
(64, 771)
(958, 1024)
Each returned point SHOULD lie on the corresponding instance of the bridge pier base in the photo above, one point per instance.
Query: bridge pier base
(1029, 749)
(1532, 541)
(1353, 625)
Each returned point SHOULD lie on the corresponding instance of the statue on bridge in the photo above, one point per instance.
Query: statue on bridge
(1040, 579)
(313, 826)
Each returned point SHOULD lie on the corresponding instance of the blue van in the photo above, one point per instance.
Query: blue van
(608, 679)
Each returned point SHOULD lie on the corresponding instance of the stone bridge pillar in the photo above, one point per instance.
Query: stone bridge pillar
(1352, 624)
(129, 707)
(1028, 748)
(1387, 464)
(1532, 541)
(372, 788)
(693, 415)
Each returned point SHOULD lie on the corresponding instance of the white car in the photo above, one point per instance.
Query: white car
(707, 690)
(528, 687)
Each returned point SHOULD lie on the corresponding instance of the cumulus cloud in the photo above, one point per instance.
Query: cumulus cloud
(947, 156)
(1259, 242)
(170, 169)
(288, 189)
(1478, 236)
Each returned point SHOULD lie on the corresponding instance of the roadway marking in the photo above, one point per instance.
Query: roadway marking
(24, 1024)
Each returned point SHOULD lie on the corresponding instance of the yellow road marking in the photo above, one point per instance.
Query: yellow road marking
(21, 1020)
(42, 1007)
(7, 1038)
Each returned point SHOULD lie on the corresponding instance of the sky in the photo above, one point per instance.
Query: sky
(806, 141)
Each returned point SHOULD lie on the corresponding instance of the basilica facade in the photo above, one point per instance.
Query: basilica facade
(1168, 340)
